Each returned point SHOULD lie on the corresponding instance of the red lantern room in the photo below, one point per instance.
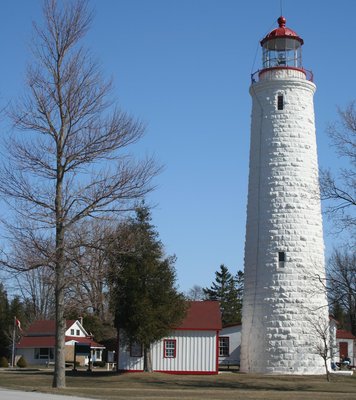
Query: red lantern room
(282, 48)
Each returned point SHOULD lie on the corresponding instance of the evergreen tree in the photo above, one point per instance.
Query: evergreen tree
(5, 342)
(339, 314)
(144, 298)
(228, 291)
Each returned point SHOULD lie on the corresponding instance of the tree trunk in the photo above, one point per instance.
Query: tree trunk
(327, 370)
(59, 378)
(59, 369)
(147, 361)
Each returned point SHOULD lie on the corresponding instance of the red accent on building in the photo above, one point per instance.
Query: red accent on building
(202, 316)
(42, 334)
(343, 334)
(169, 342)
(132, 371)
(281, 32)
(217, 352)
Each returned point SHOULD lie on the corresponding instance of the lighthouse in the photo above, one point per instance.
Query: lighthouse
(284, 296)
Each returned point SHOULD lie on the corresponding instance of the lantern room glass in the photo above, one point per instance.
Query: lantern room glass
(282, 52)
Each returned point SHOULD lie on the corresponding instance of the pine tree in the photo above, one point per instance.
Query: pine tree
(5, 342)
(228, 291)
(144, 298)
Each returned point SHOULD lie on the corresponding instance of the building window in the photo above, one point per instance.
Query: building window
(135, 349)
(281, 259)
(72, 332)
(280, 102)
(44, 353)
(224, 346)
(169, 348)
(78, 332)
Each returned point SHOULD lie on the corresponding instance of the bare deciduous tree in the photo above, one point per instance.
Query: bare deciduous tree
(88, 269)
(341, 283)
(321, 341)
(195, 293)
(66, 160)
(37, 291)
(340, 191)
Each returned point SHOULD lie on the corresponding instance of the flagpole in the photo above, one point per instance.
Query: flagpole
(13, 344)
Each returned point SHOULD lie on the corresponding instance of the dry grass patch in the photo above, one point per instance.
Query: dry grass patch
(142, 386)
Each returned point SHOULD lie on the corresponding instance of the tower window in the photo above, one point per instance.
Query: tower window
(281, 259)
(280, 102)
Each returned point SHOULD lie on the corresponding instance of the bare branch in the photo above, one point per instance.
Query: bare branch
(67, 158)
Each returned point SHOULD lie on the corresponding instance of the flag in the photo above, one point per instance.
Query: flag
(18, 323)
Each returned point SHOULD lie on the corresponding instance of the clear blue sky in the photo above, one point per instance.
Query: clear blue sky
(183, 67)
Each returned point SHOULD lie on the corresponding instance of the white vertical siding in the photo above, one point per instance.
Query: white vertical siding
(234, 335)
(126, 362)
(195, 352)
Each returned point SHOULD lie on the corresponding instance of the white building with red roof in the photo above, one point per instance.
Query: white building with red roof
(345, 346)
(38, 343)
(191, 348)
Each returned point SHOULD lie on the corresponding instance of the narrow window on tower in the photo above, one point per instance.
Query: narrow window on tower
(281, 259)
(280, 102)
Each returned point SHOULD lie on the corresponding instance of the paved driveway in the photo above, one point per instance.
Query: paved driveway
(6, 394)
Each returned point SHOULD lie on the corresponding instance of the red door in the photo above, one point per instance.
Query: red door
(343, 350)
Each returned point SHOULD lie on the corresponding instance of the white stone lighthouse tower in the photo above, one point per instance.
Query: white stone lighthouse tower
(284, 250)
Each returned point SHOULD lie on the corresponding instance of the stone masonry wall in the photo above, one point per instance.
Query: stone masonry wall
(282, 300)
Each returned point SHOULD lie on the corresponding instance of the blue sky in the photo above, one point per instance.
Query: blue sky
(183, 67)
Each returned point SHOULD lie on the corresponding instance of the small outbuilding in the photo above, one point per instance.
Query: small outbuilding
(190, 348)
(230, 345)
(345, 346)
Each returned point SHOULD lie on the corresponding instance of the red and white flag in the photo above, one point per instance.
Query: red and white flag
(18, 323)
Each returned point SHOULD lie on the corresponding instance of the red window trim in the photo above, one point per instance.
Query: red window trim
(228, 345)
(164, 347)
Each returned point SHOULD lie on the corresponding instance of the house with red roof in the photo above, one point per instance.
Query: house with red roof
(345, 345)
(190, 348)
(38, 343)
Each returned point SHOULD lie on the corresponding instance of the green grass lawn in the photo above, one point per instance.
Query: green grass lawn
(141, 386)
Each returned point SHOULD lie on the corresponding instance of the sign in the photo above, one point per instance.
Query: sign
(81, 349)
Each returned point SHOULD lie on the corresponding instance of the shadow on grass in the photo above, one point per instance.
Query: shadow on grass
(232, 381)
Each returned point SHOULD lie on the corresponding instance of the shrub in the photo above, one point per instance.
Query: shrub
(99, 364)
(22, 362)
(71, 364)
(3, 362)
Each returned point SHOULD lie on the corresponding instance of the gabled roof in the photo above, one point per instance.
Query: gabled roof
(42, 334)
(36, 341)
(45, 327)
(49, 341)
(202, 316)
(84, 340)
(343, 334)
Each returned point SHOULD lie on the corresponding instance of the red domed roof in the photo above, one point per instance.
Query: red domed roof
(281, 32)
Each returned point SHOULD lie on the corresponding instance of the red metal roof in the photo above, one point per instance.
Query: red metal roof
(343, 334)
(202, 315)
(281, 32)
(42, 334)
(36, 341)
(49, 341)
(84, 340)
(45, 327)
